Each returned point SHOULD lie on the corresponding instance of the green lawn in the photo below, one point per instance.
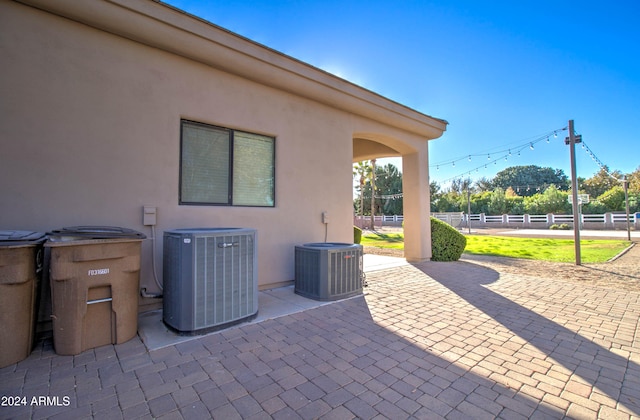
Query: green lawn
(383, 240)
(560, 250)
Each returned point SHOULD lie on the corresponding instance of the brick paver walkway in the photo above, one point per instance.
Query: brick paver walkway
(438, 340)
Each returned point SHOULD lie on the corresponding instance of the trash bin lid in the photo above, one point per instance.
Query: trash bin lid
(20, 237)
(97, 232)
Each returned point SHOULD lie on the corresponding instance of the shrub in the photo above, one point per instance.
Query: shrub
(447, 243)
(357, 235)
(563, 226)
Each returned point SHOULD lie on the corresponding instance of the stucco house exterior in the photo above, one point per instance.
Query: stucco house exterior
(107, 106)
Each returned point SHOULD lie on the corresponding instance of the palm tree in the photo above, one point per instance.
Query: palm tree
(366, 171)
(389, 183)
(362, 170)
(372, 180)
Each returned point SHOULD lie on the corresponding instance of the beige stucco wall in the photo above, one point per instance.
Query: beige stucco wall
(91, 127)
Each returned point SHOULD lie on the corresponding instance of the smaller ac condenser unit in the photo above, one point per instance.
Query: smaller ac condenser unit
(210, 278)
(328, 270)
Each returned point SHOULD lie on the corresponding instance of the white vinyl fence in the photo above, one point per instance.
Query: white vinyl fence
(532, 221)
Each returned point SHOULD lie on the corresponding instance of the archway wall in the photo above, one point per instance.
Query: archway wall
(387, 141)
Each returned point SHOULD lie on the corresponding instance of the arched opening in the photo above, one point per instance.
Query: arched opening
(368, 146)
(415, 186)
(364, 149)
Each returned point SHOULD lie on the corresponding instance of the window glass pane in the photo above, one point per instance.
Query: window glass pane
(205, 164)
(253, 170)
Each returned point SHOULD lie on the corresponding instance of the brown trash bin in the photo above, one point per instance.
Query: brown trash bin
(94, 288)
(20, 264)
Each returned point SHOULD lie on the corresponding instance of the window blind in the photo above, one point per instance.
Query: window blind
(205, 164)
(253, 169)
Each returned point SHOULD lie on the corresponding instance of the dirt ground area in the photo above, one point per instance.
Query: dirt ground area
(623, 272)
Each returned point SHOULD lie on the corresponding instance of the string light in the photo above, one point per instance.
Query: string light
(508, 151)
(599, 162)
(585, 147)
(389, 196)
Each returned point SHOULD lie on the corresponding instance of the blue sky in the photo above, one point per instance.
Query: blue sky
(502, 73)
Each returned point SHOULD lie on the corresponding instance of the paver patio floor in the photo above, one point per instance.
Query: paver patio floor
(435, 340)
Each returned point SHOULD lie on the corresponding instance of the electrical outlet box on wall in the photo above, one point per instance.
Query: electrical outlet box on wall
(149, 215)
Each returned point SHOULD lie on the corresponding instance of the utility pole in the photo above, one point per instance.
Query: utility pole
(571, 141)
(625, 184)
(469, 208)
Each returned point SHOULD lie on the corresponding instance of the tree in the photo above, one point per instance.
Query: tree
(594, 207)
(601, 182)
(362, 171)
(447, 202)
(484, 184)
(460, 186)
(389, 187)
(634, 202)
(552, 200)
(510, 193)
(634, 181)
(497, 202)
(387, 197)
(513, 202)
(528, 180)
(480, 202)
(434, 195)
(434, 190)
(613, 199)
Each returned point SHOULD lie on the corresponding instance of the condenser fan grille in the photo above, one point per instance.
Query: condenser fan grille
(328, 271)
(212, 279)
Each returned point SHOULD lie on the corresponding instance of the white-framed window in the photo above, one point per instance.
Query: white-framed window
(221, 166)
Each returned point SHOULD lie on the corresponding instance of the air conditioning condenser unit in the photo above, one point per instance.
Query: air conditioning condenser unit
(328, 270)
(210, 278)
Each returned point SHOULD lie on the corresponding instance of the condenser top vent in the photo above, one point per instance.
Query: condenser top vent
(209, 230)
(331, 245)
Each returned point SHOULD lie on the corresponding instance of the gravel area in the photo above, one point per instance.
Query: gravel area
(622, 272)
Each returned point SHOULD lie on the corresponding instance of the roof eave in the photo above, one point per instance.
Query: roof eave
(165, 27)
